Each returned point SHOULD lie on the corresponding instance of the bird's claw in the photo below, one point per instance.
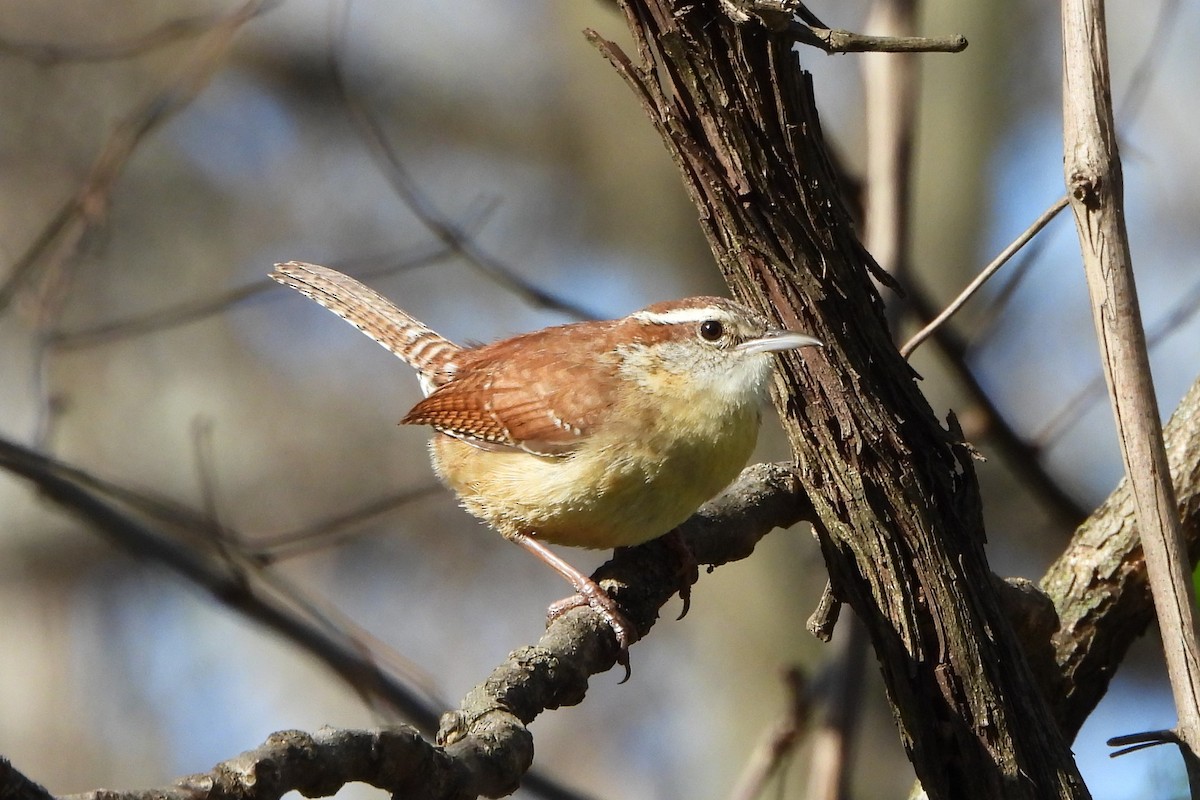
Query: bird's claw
(689, 567)
(595, 598)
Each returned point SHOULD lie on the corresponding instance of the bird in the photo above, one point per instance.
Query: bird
(596, 434)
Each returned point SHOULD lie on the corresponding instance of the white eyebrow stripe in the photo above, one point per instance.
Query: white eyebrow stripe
(678, 315)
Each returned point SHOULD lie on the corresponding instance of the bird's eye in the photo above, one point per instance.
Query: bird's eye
(711, 330)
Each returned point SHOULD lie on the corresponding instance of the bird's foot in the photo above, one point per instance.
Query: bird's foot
(590, 594)
(689, 567)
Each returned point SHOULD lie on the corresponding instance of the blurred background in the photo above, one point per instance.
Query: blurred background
(143, 344)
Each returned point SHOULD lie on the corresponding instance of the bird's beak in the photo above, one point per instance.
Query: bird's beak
(774, 341)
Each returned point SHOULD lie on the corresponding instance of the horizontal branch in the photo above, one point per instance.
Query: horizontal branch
(396, 760)
(69, 488)
(486, 749)
(780, 16)
(836, 40)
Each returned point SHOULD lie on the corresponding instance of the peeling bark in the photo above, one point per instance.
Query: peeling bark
(895, 492)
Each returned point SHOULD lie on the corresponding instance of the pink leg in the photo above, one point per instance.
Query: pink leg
(589, 593)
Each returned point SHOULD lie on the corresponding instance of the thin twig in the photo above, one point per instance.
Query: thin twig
(1132, 742)
(836, 40)
(1014, 447)
(552, 674)
(982, 278)
(1072, 409)
(833, 740)
(158, 320)
(450, 234)
(61, 236)
(779, 16)
(890, 84)
(778, 743)
(824, 617)
(213, 576)
(244, 568)
(336, 529)
(1128, 111)
(1020, 454)
(228, 544)
(269, 601)
(50, 54)
(243, 565)
(991, 315)
(195, 310)
(368, 646)
(55, 248)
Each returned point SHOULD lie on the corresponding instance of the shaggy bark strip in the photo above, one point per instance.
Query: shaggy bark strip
(896, 495)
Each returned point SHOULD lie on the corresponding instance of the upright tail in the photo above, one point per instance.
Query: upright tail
(422, 348)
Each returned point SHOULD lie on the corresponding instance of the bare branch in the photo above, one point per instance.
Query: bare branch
(739, 120)
(227, 586)
(778, 743)
(553, 673)
(451, 235)
(1128, 111)
(336, 529)
(1094, 181)
(1132, 742)
(836, 40)
(778, 16)
(890, 84)
(203, 308)
(57, 242)
(50, 54)
(397, 760)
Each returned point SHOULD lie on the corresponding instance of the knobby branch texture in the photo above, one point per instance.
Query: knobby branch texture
(895, 492)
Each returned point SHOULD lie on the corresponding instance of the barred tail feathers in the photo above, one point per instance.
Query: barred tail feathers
(407, 338)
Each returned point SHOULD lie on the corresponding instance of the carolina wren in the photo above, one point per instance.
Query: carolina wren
(592, 434)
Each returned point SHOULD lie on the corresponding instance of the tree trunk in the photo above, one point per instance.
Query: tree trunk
(900, 523)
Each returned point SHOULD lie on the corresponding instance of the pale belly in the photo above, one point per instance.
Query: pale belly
(605, 495)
